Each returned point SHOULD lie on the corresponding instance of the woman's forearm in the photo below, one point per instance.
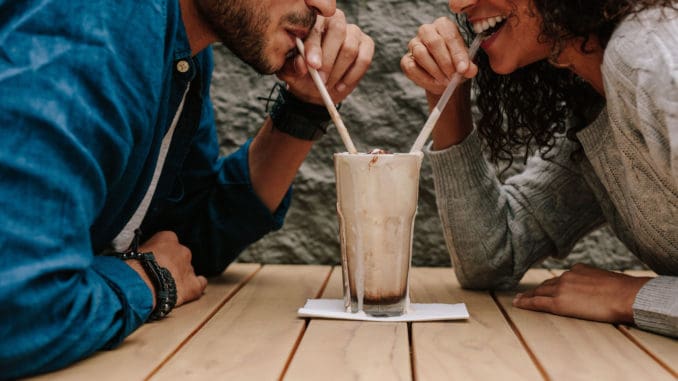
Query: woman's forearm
(455, 121)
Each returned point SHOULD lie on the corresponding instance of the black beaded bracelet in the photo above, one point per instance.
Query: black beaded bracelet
(294, 117)
(165, 287)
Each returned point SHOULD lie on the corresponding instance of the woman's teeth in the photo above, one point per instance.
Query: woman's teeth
(484, 25)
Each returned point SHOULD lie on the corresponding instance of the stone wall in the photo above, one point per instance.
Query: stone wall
(386, 111)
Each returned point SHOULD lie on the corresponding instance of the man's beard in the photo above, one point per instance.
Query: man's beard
(242, 28)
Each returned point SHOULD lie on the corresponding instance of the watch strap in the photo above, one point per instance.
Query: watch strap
(297, 118)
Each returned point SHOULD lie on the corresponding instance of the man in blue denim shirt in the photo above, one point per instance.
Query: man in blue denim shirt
(107, 127)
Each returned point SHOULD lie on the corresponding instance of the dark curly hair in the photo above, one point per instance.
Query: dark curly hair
(524, 110)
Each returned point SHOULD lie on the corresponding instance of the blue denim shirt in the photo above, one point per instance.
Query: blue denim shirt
(88, 89)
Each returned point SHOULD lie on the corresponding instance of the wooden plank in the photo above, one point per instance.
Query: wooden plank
(252, 336)
(663, 349)
(482, 348)
(351, 350)
(575, 349)
(145, 349)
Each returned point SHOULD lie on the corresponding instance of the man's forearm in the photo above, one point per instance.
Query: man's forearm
(274, 159)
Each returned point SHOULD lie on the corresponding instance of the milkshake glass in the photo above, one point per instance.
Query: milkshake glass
(376, 205)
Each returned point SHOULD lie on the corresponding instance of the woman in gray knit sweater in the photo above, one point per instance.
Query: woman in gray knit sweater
(594, 85)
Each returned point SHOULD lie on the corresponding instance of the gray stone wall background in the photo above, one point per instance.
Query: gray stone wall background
(385, 111)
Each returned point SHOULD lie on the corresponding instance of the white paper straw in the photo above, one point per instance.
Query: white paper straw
(435, 113)
(334, 114)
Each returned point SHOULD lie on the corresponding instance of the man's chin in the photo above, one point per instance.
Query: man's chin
(266, 67)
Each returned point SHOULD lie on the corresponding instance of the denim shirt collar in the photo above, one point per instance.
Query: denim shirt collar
(182, 53)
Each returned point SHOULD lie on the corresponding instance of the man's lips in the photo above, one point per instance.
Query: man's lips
(301, 33)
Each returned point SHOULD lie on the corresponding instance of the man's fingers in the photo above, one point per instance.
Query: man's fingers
(341, 53)
(333, 41)
(202, 281)
(359, 67)
(345, 57)
(313, 44)
(189, 290)
(293, 70)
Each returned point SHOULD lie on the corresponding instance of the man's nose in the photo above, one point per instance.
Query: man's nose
(460, 6)
(325, 8)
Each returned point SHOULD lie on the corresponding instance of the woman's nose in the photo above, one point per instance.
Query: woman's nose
(460, 6)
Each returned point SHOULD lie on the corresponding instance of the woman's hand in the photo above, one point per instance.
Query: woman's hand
(585, 292)
(340, 52)
(435, 54)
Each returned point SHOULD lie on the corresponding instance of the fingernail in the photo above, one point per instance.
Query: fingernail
(462, 66)
(323, 76)
(314, 60)
(340, 87)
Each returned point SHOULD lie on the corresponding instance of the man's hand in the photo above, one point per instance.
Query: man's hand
(341, 53)
(585, 292)
(176, 258)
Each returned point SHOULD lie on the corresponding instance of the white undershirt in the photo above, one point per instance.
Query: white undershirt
(123, 240)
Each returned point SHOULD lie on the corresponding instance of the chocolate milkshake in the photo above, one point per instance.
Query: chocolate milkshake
(376, 203)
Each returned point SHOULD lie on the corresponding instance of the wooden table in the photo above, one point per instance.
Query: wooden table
(245, 328)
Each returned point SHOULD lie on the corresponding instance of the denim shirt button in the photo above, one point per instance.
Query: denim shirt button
(182, 66)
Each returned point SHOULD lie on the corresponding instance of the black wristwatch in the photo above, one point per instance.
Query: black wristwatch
(165, 287)
(294, 117)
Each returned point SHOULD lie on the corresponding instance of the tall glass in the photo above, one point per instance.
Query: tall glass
(376, 204)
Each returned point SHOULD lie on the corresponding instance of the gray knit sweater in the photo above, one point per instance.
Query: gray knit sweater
(628, 179)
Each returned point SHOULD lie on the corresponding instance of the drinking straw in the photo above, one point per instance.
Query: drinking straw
(435, 113)
(334, 114)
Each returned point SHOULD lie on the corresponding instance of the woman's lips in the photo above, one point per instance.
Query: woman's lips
(487, 42)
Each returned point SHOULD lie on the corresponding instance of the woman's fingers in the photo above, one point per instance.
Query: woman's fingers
(439, 51)
(419, 76)
(535, 303)
(432, 53)
(456, 47)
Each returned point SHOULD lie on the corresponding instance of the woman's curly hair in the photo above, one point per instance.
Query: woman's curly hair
(525, 109)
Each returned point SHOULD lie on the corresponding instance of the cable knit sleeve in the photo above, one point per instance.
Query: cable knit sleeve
(495, 232)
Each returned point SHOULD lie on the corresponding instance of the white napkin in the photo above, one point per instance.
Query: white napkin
(334, 309)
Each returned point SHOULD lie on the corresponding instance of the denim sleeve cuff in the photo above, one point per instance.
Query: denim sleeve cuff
(135, 297)
(237, 171)
(460, 168)
(656, 306)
